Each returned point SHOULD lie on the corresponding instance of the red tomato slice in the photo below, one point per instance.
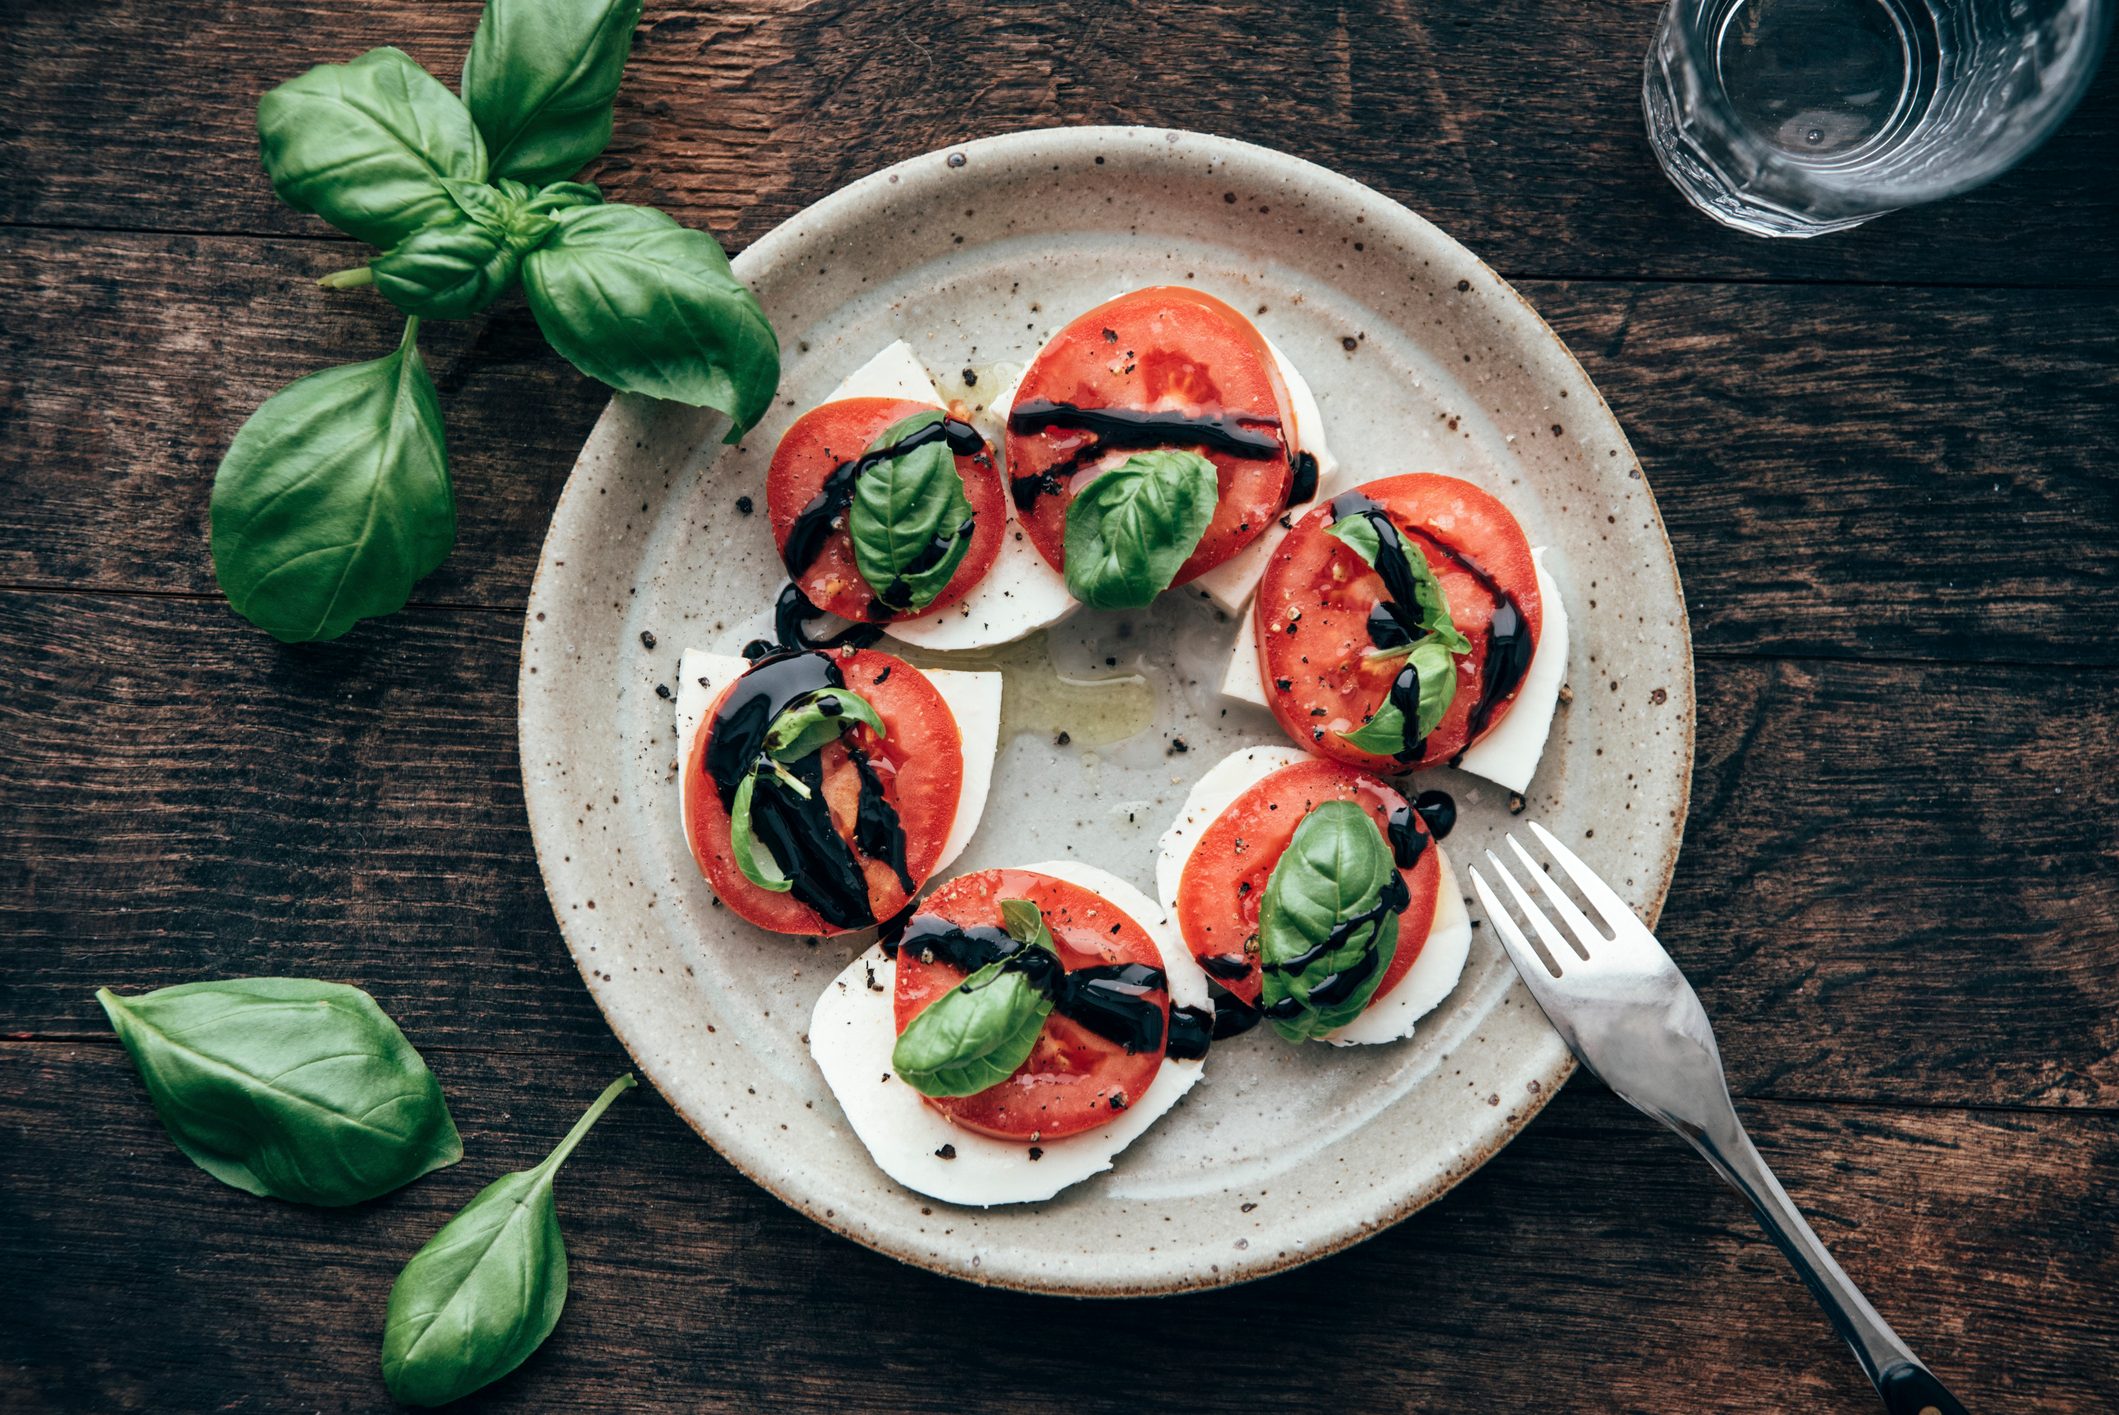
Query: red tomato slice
(1314, 602)
(1224, 881)
(919, 761)
(835, 433)
(1075, 1080)
(1166, 349)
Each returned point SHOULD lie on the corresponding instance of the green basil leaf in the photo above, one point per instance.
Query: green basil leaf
(807, 725)
(561, 195)
(972, 1037)
(1387, 734)
(446, 271)
(756, 862)
(1360, 534)
(334, 498)
(488, 1288)
(540, 78)
(903, 511)
(629, 297)
(1025, 923)
(1334, 870)
(366, 145)
(1132, 528)
(287, 1087)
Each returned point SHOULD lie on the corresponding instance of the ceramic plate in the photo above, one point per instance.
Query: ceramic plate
(1422, 359)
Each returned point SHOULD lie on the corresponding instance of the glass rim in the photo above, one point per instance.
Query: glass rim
(1871, 196)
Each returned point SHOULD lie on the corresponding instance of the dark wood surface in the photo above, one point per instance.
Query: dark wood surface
(1886, 464)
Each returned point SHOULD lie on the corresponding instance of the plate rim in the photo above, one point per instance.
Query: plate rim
(763, 252)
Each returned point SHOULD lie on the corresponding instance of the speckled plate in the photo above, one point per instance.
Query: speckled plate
(1422, 359)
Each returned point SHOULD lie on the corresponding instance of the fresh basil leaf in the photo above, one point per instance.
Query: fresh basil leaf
(1025, 923)
(808, 724)
(629, 297)
(334, 498)
(1132, 528)
(1337, 868)
(910, 522)
(756, 862)
(287, 1087)
(972, 1037)
(488, 1288)
(1361, 535)
(366, 145)
(447, 270)
(1386, 733)
(561, 195)
(540, 78)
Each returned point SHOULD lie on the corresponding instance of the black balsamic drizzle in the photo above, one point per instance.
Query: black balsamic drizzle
(1232, 1015)
(1302, 487)
(1439, 810)
(1227, 966)
(1508, 642)
(877, 830)
(1394, 899)
(1408, 841)
(814, 524)
(896, 597)
(1108, 999)
(791, 612)
(1192, 1030)
(821, 869)
(1242, 436)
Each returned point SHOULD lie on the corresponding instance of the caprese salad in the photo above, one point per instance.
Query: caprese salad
(1013, 1034)
(1405, 624)
(1315, 896)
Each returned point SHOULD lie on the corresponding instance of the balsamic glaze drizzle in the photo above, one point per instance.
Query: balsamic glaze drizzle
(821, 869)
(1232, 1015)
(1394, 899)
(791, 612)
(877, 830)
(1229, 967)
(1408, 842)
(1439, 810)
(814, 524)
(1234, 435)
(1108, 999)
(1509, 646)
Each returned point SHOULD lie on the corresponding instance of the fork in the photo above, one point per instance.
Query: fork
(1619, 1002)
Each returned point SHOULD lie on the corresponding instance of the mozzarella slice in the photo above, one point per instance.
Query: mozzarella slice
(1021, 594)
(1232, 583)
(852, 1032)
(974, 700)
(1433, 974)
(1509, 754)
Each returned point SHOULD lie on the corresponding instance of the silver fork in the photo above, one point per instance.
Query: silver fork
(1621, 1005)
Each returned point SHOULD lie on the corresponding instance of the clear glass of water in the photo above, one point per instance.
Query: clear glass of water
(1798, 117)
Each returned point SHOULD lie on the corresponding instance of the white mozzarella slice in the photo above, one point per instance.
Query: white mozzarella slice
(1449, 937)
(1509, 754)
(974, 700)
(894, 373)
(1232, 583)
(1433, 975)
(852, 1032)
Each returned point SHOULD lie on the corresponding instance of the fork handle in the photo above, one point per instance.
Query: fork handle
(1907, 1386)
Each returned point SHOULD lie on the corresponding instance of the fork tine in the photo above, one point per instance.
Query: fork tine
(1529, 966)
(1618, 919)
(1564, 957)
(1585, 932)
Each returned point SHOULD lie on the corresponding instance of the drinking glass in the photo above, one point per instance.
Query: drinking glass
(1798, 117)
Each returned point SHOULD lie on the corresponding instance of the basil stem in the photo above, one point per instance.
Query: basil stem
(488, 1288)
(909, 522)
(1327, 928)
(1132, 528)
(286, 1087)
(974, 1036)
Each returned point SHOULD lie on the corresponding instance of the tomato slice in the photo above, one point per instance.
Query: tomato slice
(1162, 350)
(1224, 881)
(919, 764)
(1075, 1079)
(832, 434)
(1313, 612)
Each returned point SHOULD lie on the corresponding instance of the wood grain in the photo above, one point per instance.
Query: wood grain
(1595, 1264)
(181, 798)
(1517, 128)
(1844, 471)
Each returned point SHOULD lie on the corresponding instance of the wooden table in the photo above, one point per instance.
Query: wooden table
(1886, 461)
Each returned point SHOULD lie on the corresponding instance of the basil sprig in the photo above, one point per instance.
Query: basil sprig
(803, 727)
(287, 1087)
(450, 190)
(974, 1036)
(488, 1288)
(1332, 901)
(1131, 529)
(1429, 654)
(910, 522)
